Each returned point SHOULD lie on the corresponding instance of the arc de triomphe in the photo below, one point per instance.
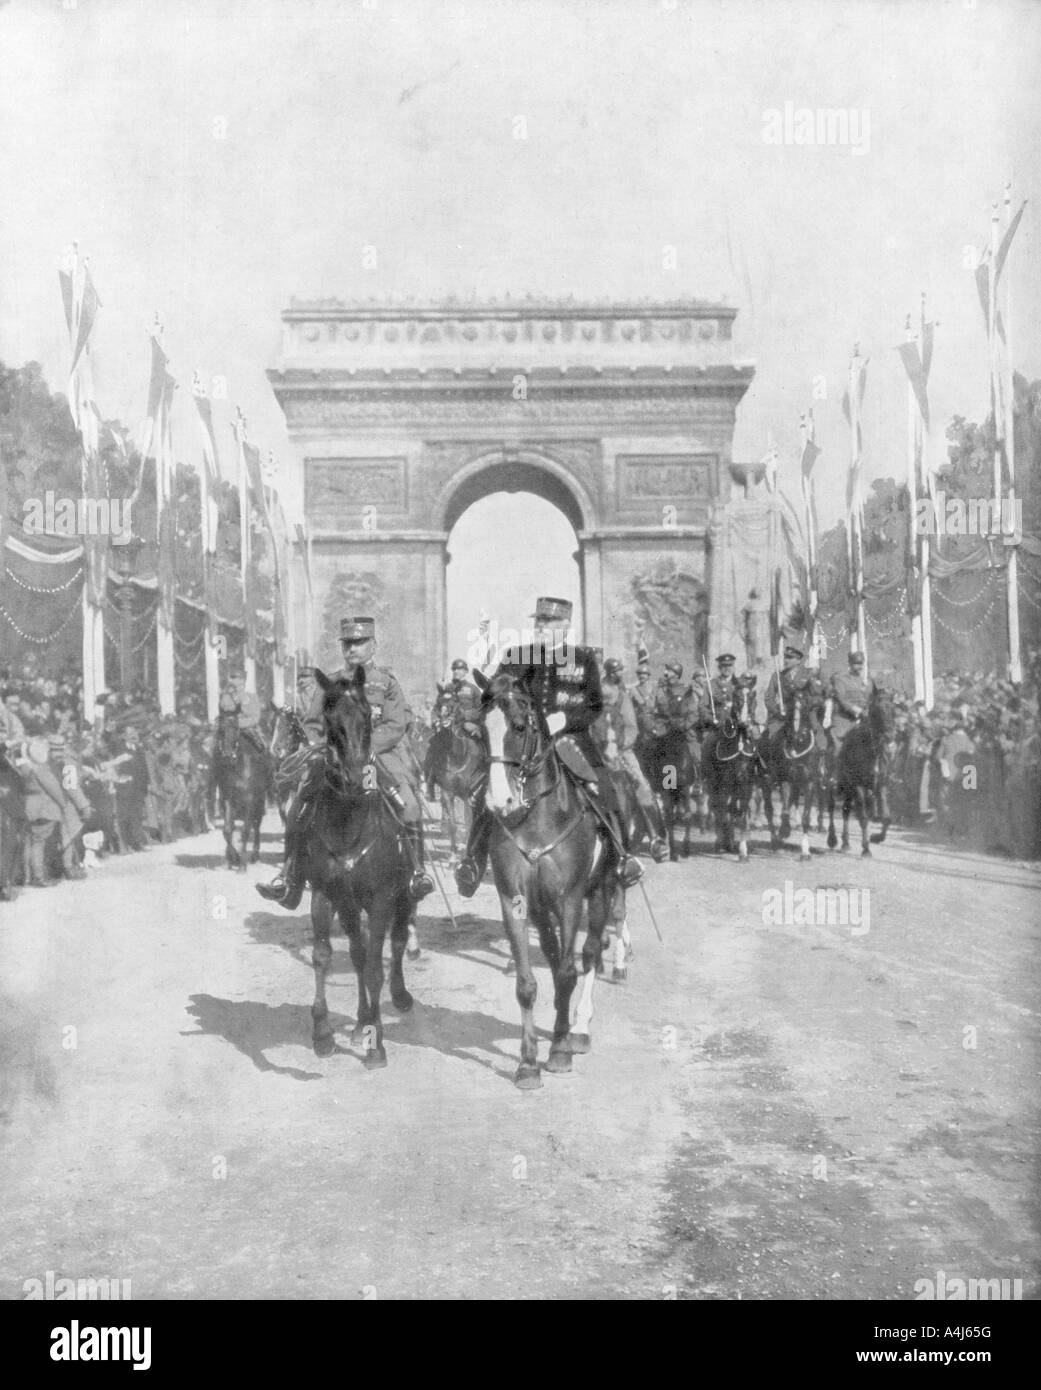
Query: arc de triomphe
(621, 415)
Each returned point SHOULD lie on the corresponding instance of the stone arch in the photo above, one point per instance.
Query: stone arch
(516, 470)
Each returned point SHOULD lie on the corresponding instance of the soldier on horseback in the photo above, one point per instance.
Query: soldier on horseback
(563, 681)
(460, 699)
(387, 704)
(716, 701)
(620, 716)
(238, 713)
(847, 701)
(782, 689)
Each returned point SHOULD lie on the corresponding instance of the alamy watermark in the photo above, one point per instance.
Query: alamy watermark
(823, 125)
(978, 516)
(78, 516)
(489, 644)
(56, 1287)
(952, 1288)
(818, 907)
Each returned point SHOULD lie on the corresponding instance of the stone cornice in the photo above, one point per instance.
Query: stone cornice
(511, 337)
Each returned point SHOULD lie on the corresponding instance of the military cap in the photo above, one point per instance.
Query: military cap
(459, 664)
(856, 658)
(614, 663)
(793, 653)
(727, 659)
(674, 668)
(553, 610)
(357, 629)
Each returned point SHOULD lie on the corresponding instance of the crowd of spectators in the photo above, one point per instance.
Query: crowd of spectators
(132, 780)
(971, 766)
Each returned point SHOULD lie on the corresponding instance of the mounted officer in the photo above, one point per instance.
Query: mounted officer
(563, 681)
(780, 692)
(387, 704)
(717, 699)
(460, 699)
(847, 701)
(619, 716)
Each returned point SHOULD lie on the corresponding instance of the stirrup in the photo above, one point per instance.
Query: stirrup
(420, 885)
(630, 871)
(467, 879)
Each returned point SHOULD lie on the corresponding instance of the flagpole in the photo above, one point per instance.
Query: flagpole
(807, 430)
(209, 550)
(856, 536)
(915, 539)
(926, 595)
(245, 558)
(165, 561)
(1015, 665)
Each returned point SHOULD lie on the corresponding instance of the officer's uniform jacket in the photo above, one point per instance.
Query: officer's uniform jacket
(571, 688)
(386, 701)
(642, 695)
(246, 706)
(793, 679)
(723, 689)
(464, 700)
(848, 692)
(618, 714)
(675, 707)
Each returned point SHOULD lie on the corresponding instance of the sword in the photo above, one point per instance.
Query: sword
(654, 920)
(711, 701)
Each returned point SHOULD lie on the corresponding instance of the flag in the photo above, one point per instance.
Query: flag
(851, 410)
(915, 370)
(165, 517)
(88, 311)
(305, 555)
(66, 281)
(210, 478)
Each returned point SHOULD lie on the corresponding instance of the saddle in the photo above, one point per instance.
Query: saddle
(574, 759)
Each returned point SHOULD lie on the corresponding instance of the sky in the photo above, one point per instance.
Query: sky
(215, 158)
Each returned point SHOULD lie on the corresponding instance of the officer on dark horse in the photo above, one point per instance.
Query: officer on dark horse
(389, 723)
(240, 768)
(455, 755)
(563, 682)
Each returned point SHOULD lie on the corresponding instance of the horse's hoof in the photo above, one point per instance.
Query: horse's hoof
(324, 1045)
(619, 973)
(844, 849)
(413, 953)
(527, 1078)
(832, 842)
(579, 1043)
(375, 1059)
(865, 853)
(402, 1002)
(804, 858)
(559, 1061)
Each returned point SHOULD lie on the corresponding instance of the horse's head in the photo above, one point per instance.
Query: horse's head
(740, 714)
(348, 721)
(513, 738)
(882, 714)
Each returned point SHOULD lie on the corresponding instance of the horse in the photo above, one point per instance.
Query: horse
(548, 859)
(453, 763)
(288, 736)
(356, 865)
(674, 776)
(14, 827)
(727, 762)
(862, 773)
(790, 762)
(243, 776)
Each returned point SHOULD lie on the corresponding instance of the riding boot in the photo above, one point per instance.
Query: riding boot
(630, 870)
(420, 884)
(659, 840)
(287, 887)
(470, 870)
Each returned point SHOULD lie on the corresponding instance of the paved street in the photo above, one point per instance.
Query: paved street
(771, 1109)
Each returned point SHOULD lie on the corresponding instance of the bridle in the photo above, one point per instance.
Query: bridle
(734, 729)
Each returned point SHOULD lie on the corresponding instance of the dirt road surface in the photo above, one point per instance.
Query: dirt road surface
(772, 1108)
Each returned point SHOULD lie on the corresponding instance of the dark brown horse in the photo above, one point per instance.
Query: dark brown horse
(453, 763)
(728, 762)
(549, 861)
(243, 776)
(358, 870)
(862, 773)
(791, 764)
(674, 777)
